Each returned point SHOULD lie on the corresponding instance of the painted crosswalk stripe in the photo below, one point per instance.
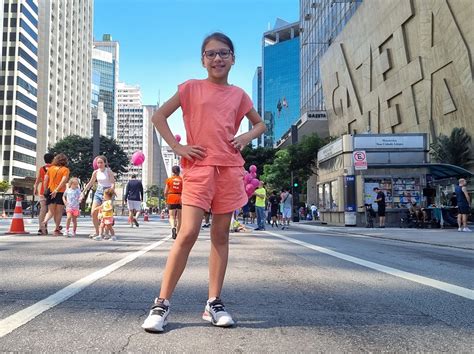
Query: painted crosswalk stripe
(447, 287)
(9, 324)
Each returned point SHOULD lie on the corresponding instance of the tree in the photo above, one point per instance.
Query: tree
(79, 152)
(455, 149)
(259, 157)
(4, 185)
(154, 191)
(278, 174)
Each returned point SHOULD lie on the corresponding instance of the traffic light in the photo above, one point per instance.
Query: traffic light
(296, 184)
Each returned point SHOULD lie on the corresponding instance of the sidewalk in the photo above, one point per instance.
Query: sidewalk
(439, 237)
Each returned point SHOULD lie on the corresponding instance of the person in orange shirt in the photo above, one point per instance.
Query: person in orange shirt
(56, 178)
(213, 172)
(173, 189)
(40, 186)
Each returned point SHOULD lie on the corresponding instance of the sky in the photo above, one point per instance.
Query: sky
(160, 40)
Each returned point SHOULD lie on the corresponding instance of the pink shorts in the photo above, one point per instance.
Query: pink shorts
(220, 188)
(73, 212)
(108, 220)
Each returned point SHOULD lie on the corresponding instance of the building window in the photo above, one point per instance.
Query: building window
(25, 129)
(28, 44)
(29, 30)
(28, 58)
(25, 114)
(27, 72)
(28, 15)
(26, 100)
(25, 143)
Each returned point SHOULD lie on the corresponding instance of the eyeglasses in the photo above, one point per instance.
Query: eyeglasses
(223, 53)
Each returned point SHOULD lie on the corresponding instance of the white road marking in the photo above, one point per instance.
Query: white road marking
(9, 324)
(450, 288)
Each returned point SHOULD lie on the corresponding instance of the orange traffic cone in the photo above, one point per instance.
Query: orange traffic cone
(17, 226)
(145, 216)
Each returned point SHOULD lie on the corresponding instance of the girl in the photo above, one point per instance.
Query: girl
(213, 172)
(55, 178)
(173, 188)
(72, 198)
(107, 220)
(105, 179)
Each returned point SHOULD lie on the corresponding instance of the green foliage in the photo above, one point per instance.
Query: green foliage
(4, 185)
(154, 191)
(79, 152)
(152, 202)
(455, 149)
(258, 157)
(300, 159)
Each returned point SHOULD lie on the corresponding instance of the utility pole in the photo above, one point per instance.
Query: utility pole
(294, 189)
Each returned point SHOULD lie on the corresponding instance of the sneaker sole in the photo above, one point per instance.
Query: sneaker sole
(207, 317)
(155, 330)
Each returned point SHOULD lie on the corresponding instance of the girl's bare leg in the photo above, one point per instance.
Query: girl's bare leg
(219, 253)
(179, 252)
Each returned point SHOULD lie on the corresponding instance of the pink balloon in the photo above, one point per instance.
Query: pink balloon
(250, 188)
(253, 174)
(94, 163)
(255, 182)
(253, 168)
(177, 137)
(138, 158)
(247, 178)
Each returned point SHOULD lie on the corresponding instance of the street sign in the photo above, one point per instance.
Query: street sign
(360, 160)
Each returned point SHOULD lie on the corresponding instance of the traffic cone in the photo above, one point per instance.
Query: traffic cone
(145, 216)
(17, 226)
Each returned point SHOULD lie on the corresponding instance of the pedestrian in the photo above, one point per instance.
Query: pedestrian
(105, 179)
(287, 201)
(72, 198)
(173, 190)
(106, 209)
(212, 110)
(39, 182)
(134, 198)
(56, 178)
(380, 200)
(252, 210)
(464, 207)
(260, 203)
(207, 219)
(274, 202)
(314, 212)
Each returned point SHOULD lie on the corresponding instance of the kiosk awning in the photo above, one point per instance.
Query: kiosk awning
(437, 170)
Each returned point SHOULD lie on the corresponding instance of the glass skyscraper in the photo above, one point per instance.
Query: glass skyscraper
(103, 65)
(281, 80)
(320, 23)
(257, 100)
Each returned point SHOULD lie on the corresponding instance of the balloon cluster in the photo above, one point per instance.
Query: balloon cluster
(138, 158)
(251, 181)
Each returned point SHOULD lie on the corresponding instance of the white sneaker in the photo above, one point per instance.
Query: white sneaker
(113, 238)
(98, 238)
(66, 233)
(73, 234)
(215, 313)
(466, 229)
(158, 317)
(459, 229)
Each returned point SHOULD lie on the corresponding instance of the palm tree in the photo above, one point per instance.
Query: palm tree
(455, 149)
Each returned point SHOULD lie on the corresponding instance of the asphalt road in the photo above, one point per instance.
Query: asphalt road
(301, 290)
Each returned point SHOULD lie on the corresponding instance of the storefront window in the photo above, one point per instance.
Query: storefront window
(399, 192)
(320, 197)
(327, 196)
(334, 195)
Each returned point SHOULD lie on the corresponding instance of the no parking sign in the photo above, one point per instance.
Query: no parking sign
(360, 160)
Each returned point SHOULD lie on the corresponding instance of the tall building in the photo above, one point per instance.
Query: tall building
(19, 88)
(154, 169)
(64, 71)
(103, 70)
(320, 23)
(281, 80)
(130, 125)
(110, 103)
(257, 100)
(170, 159)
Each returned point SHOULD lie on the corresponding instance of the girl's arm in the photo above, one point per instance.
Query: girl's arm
(166, 190)
(91, 182)
(258, 128)
(112, 179)
(159, 120)
(64, 199)
(64, 179)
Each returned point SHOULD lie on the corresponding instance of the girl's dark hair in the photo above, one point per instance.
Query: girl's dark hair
(176, 170)
(217, 36)
(60, 160)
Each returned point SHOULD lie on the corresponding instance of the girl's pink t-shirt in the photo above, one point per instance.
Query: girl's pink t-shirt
(212, 114)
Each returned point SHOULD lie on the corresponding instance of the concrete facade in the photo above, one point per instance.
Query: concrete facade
(402, 66)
